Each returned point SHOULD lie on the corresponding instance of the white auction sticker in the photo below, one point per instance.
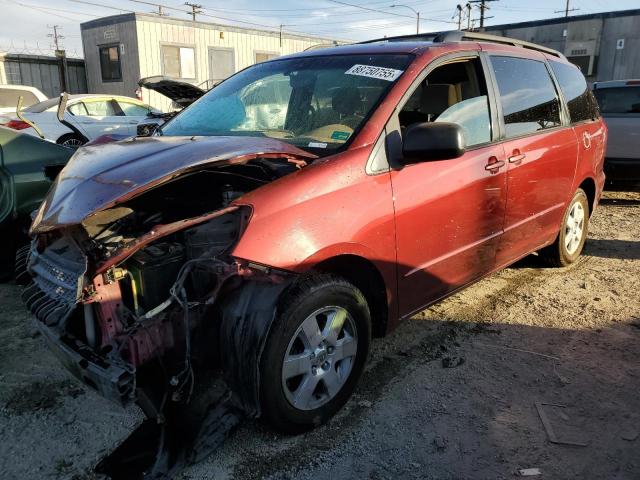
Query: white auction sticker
(317, 145)
(383, 73)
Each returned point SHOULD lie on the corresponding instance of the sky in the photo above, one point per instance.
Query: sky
(25, 25)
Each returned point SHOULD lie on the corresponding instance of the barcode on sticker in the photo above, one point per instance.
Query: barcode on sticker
(382, 73)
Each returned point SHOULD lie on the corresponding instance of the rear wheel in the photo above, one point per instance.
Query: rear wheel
(315, 353)
(71, 140)
(573, 233)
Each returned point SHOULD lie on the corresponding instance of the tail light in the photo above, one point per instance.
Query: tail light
(17, 124)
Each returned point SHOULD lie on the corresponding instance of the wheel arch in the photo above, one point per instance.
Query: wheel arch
(589, 186)
(365, 276)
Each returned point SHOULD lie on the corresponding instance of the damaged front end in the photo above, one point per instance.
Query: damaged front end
(142, 293)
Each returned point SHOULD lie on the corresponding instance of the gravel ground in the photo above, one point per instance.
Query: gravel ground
(566, 338)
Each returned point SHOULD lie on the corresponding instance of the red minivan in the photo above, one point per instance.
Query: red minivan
(304, 205)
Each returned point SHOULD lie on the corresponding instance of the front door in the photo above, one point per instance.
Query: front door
(541, 151)
(449, 213)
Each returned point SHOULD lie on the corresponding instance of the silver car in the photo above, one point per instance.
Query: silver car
(619, 102)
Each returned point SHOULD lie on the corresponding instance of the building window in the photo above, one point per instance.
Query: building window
(179, 62)
(110, 63)
(222, 64)
(265, 56)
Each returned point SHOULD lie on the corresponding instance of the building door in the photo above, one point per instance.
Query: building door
(222, 64)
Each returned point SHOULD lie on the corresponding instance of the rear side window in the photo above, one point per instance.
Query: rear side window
(529, 99)
(133, 109)
(618, 100)
(100, 108)
(9, 98)
(582, 105)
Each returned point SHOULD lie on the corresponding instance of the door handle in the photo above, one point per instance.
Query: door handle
(517, 158)
(494, 165)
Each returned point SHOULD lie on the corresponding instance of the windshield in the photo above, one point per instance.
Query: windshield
(314, 103)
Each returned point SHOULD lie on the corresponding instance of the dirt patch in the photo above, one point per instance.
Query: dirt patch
(40, 396)
(528, 334)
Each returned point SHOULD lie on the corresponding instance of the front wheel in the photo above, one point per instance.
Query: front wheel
(315, 353)
(573, 233)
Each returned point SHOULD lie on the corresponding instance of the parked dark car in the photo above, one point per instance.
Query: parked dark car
(28, 166)
(382, 178)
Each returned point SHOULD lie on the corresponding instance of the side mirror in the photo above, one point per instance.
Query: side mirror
(432, 141)
(62, 105)
(147, 129)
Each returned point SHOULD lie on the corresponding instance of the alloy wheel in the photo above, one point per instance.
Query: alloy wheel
(574, 228)
(319, 358)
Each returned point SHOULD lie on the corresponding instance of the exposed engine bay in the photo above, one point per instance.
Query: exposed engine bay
(134, 298)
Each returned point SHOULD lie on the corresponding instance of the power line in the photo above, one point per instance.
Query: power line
(386, 12)
(567, 9)
(483, 8)
(195, 8)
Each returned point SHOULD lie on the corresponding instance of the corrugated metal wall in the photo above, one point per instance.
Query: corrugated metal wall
(42, 72)
(142, 37)
(594, 39)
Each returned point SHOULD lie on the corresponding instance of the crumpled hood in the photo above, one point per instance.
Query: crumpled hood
(101, 176)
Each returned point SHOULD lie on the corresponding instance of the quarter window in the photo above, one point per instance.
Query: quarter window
(110, 63)
(100, 108)
(528, 96)
(582, 105)
(179, 62)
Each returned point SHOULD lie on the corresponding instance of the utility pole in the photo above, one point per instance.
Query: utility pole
(468, 7)
(61, 55)
(195, 8)
(567, 9)
(459, 8)
(55, 35)
(483, 9)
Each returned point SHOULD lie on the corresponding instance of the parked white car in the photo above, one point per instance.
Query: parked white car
(91, 115)
(9, 95)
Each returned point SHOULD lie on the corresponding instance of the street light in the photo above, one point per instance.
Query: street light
(414, 11)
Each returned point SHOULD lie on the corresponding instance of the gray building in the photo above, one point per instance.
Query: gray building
(121, 49)
(606, 46)
(43, 72)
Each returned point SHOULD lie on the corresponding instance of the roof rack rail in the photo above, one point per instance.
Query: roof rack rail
(461, 36)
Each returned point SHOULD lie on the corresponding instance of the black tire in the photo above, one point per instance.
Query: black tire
(557, 254)
(307, 296)
(71, 140)
(7, 252)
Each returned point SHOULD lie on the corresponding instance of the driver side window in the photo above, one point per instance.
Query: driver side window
(455, 92)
